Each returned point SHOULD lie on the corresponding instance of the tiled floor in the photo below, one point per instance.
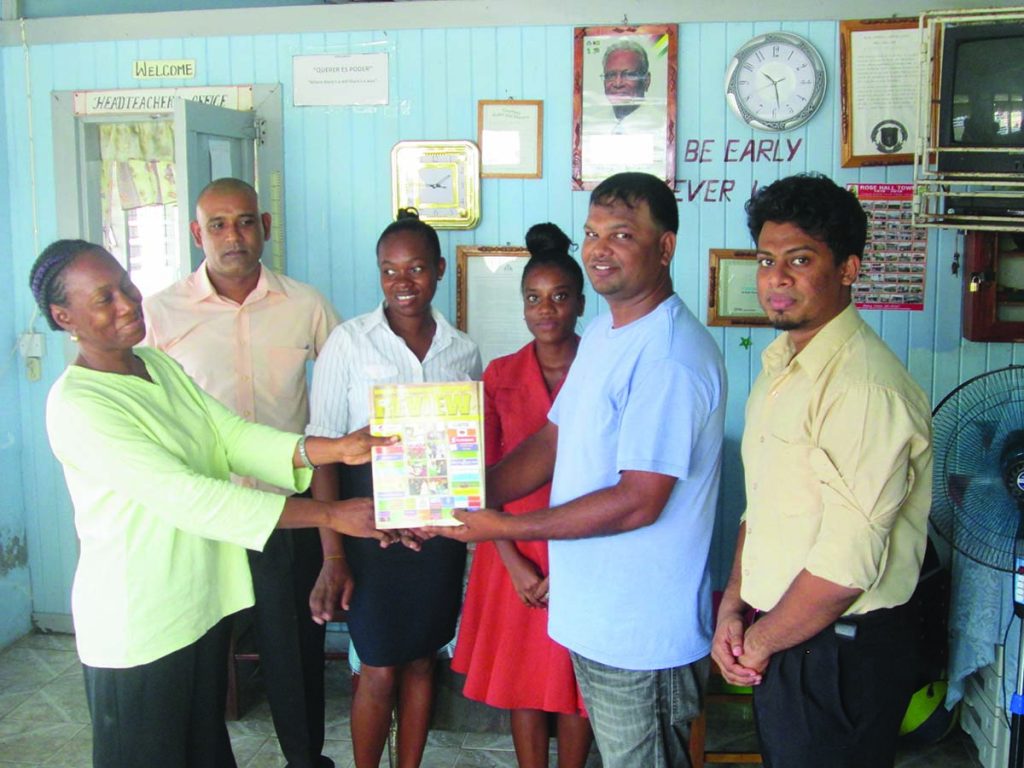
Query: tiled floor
(44, 722)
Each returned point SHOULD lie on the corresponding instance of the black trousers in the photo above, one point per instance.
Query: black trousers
(291, 644)
(165, 714)
(837, 700)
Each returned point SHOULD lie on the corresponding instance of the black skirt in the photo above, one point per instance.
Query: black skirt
(405, 603)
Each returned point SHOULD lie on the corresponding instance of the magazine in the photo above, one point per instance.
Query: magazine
(438, 465)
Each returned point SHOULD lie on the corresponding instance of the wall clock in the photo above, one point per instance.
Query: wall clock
(775, 82)
(440, 179)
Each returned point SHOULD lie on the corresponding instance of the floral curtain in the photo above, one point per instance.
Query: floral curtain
(137, 164)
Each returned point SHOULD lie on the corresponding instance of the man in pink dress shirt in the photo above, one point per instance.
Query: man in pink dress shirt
(246, 334)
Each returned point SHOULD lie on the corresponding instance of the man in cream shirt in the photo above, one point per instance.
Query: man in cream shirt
(837, 458)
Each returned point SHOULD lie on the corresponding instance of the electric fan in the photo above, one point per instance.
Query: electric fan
(978, 490)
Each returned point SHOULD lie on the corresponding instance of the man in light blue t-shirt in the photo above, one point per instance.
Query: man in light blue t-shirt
(633, 449)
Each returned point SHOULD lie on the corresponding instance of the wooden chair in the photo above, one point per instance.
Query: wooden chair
(243, 650)
(717, 692)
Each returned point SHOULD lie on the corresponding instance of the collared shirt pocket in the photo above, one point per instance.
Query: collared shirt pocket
(287, 369)
(787, 463)
(381, 373)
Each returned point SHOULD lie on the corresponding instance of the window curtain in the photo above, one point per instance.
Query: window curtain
(137, 165)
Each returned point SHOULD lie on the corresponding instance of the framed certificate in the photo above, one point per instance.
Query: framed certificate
(489, 306)
(880, 68)
(732, 289)
(510, 136)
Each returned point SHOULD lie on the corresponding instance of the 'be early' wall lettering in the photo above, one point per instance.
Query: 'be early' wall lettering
(699, 151)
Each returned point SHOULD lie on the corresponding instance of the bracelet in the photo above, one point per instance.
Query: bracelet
(333, 557)
(303, 455)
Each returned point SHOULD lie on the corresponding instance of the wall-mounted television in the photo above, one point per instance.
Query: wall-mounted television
(981, 99)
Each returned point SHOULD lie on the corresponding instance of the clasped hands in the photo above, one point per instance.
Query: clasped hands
(734, 653)
(529, 583)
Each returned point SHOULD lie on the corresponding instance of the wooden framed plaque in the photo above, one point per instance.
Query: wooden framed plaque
(510, 136)
(880, 65)
(732, 289)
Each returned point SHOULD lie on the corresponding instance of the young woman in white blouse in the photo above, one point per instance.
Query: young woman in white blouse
(402, 604)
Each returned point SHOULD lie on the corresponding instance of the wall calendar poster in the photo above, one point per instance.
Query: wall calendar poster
(438, 465)
(892, 272)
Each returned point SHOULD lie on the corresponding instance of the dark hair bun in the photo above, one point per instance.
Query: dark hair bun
(408, 220)
(547, 238)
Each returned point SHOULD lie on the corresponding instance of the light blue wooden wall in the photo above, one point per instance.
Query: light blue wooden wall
(15, 593)
(337, 187)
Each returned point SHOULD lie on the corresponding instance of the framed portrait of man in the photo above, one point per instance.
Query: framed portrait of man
(624, 102)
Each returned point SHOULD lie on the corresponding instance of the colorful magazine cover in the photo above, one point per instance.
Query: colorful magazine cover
(438, 465)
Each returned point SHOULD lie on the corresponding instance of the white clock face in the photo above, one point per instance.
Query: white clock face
(776, 82)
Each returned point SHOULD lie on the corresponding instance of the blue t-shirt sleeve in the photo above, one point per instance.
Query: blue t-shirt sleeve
(667, 409)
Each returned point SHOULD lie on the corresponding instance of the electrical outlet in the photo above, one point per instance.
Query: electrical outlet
(32, 345)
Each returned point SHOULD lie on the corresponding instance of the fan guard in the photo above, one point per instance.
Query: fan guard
(978, 480)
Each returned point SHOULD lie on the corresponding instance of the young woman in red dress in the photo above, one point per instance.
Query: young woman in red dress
(503, 646)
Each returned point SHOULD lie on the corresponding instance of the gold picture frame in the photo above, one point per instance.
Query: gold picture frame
(880, 75)
(732, 289)
(489, 301)
(510, 135)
